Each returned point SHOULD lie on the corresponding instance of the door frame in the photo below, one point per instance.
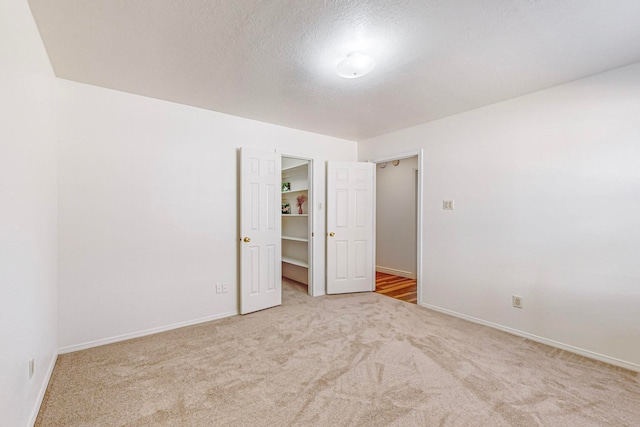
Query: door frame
(311, 223)
(419, 215)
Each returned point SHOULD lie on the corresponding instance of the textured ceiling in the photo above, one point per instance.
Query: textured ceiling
(274, 61)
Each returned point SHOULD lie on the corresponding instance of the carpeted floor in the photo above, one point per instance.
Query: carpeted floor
(346, 360)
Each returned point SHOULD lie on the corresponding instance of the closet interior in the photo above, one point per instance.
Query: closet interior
(296, 219)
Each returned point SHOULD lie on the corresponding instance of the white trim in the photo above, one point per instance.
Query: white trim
(393, 271)
(43, 390)
(420, 215)
(143, 333)
(374, 231)
(552, 343)
(419, 228)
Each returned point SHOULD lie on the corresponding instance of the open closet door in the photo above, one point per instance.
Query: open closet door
(260, 231)
(350, 222)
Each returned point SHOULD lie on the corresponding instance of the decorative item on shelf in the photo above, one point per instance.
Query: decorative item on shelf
(286, 186)
(299, 201)
(286, 208)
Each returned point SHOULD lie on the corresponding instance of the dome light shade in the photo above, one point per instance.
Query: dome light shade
(355, 65)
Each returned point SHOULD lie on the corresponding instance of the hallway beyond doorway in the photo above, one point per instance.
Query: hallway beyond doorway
(397, 287)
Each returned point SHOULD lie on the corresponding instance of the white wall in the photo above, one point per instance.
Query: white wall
(27, 215)
(148, 210)
(396, 218)
(547, 193)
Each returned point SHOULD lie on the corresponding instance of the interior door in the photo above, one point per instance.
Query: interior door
(260, 230)
(350, 223)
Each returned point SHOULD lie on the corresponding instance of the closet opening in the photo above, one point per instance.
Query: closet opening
(297, 221)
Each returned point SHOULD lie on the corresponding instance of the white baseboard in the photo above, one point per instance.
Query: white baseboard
(43, 390)
(556, 344)
(146, 332)
(393, 271)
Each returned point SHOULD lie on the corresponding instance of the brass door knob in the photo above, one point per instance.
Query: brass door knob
(246, 240)
(332, 234)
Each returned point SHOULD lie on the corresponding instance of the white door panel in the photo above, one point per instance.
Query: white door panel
(260, 231)
(350, 222)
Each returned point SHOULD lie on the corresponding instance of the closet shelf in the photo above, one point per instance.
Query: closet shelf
(289, 215)
(296, 191)
(295, 239)
(301, 165)
(294, 261)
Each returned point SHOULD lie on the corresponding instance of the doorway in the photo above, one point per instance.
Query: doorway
(398, 226)
(276, 232)
(297, 221)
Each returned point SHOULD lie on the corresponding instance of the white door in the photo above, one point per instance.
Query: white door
(350, 222)
(260, 231)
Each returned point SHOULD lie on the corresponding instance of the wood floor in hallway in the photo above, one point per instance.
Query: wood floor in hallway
(397, 287)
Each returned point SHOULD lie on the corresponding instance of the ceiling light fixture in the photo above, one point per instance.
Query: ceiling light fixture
(356, 64)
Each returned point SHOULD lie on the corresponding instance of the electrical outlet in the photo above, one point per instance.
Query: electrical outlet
(32, 367)
(517, 301)
(448, 205)
(219, 288)
(225, 288)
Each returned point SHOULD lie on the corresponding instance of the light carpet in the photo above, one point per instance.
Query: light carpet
(347, 360)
